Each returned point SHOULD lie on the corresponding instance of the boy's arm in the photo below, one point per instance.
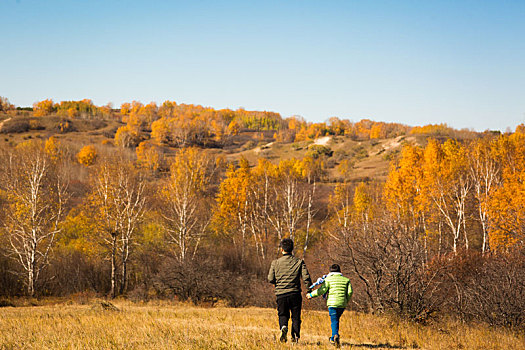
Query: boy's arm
(271, 274)
(321, 290)
(349, 291)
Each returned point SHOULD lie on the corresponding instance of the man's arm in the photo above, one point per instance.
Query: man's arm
(306, 275)
(271, 274)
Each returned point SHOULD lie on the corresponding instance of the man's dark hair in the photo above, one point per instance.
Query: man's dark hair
(335, 268)
(287, 245)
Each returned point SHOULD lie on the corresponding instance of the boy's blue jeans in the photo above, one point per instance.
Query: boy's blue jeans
(335, 314)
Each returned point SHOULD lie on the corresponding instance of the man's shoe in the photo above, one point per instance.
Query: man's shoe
(295, 340)
(331, 340)
(337, 342)
(284, 332)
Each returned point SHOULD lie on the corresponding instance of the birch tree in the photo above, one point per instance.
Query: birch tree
(289, 195)
(311, 170)
(119, 197)
(447, 185)
(185, 208)
(484, 173)
(36, 194)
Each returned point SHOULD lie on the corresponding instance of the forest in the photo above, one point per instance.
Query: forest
(165, 203)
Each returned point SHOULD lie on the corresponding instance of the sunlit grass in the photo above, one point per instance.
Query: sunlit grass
(180, 326)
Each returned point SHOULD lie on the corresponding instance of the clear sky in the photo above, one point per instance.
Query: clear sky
(414, 62)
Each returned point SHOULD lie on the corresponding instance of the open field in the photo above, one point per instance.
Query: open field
(181, 326)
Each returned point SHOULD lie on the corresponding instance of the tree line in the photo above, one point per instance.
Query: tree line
(180, 125)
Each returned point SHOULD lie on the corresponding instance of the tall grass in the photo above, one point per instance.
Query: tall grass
(181, 326)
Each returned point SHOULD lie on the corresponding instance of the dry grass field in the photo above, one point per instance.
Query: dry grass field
(181, 326)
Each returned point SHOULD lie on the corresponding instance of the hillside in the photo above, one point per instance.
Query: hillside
(370, 159)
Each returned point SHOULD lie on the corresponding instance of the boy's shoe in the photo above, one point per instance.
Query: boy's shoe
(295, 340)
(284, 332)
(337, 342)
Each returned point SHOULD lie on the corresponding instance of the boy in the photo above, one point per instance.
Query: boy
(339, 292)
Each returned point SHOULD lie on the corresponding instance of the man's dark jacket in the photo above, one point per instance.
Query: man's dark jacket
(286, 273)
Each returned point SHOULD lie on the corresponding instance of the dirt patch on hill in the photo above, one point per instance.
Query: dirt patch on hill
(323, 141)
(3, 122)
(397, 142)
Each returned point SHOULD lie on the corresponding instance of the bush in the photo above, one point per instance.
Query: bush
(211, 279)
(15, 126)
(489, 288)
(71, 272)
(87, 155)
(359, 152)
(9, 283)
(64, 126)
(248, 145)
(316, 151)
(388, 263)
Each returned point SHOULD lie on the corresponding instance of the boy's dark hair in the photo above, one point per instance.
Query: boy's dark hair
(287, 245)
(335, 268)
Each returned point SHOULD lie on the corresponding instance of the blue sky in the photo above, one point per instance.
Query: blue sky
(414, 62)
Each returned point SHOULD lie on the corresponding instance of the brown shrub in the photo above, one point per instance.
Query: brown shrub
(489, 288)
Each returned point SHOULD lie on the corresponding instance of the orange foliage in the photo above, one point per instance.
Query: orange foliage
(87, 155)
(44, 108)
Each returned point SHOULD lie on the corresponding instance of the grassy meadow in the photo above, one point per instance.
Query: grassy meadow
(184, 326)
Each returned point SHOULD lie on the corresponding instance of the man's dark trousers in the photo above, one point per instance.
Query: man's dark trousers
(286, 303)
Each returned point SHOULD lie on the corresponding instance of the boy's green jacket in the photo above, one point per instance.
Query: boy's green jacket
(338, 287)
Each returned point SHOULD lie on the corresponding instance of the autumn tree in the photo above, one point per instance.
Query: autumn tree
(403, 187)
(73, 109)
(118, 196)
(36, 196)
(447, 185)
(127, 136)
(186, 209)
(149, 156)
(87, 155)
(286, 197)
(311, 170)
(507, 203)
(484, 171)
(5, 105)
(43, 108)
(236, 206)
(53, 148)
(160, 131)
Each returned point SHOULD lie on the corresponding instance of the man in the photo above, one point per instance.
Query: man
(339, 292)
(286, 273)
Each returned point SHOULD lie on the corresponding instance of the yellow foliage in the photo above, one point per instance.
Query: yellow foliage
(87, 155)
(125, 108)
(432, 129)
(345, 167)
(403, 187)
(126, 136)
(362, 200)
(77, 233)
(43, 108)
(52, 148)
(234, 128)
(507, 205)
(149, 155)
(160, 131)
(72, 113)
